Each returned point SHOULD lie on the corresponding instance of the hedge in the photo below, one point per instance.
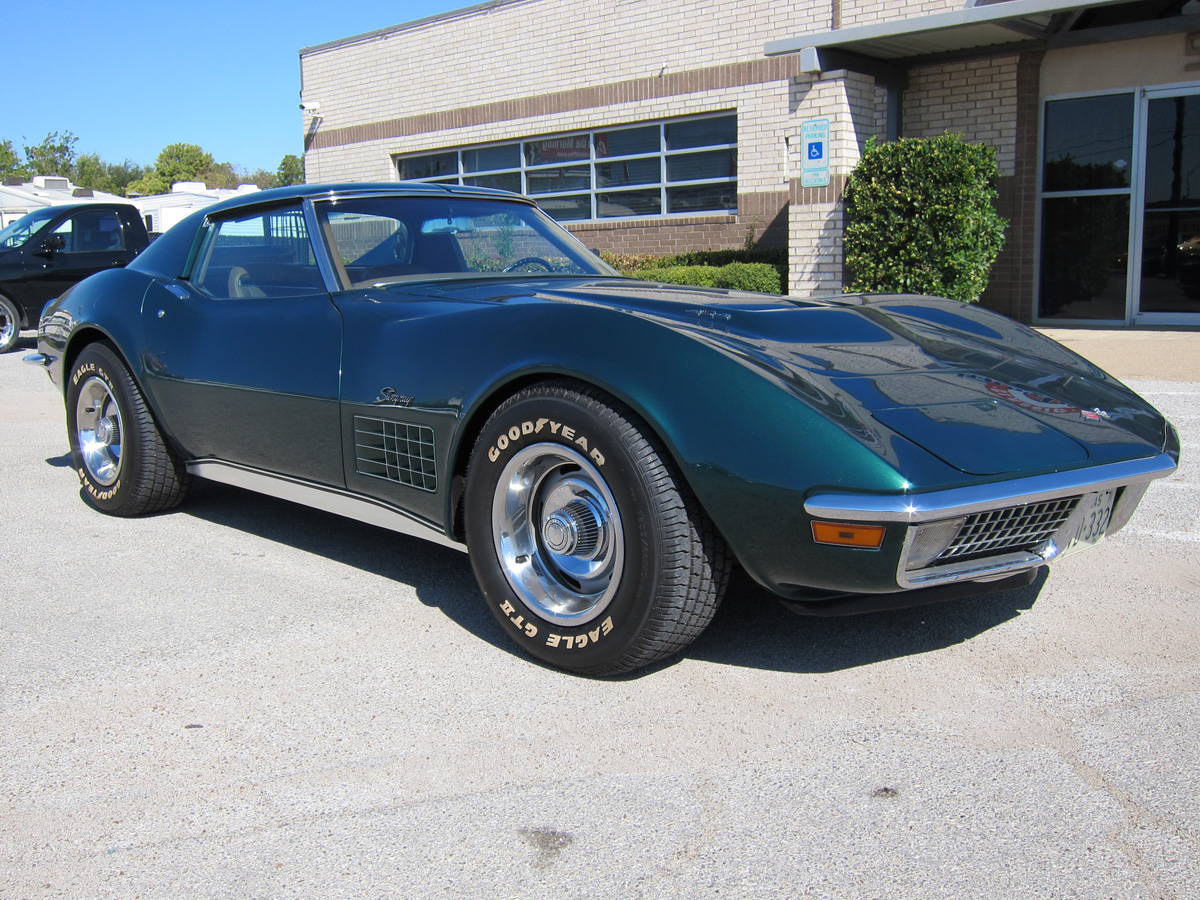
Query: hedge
(759, 277)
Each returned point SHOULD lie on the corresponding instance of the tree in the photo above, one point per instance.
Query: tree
(55, 155)
(182, 162)
(122, 174)
(176, 162)
(220, 175)
(920, 218)
(290, 171)
(149, 183)
(91, 171)
(10, 162)
(262, 178)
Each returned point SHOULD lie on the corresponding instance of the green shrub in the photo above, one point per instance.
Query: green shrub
(920, 218)
(735, 276)
(774, 258)
(697, 276)
(631, 262)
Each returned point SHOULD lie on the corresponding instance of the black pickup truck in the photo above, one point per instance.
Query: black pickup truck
(45, 252)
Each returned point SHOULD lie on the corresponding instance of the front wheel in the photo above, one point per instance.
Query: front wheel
(123, 463)
(589, 548)
(10, 324)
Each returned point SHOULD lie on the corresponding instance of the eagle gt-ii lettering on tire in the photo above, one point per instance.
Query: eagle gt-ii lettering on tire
(590, 549)
(123, 463)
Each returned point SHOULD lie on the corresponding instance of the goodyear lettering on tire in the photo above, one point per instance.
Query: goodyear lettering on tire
(518, 433)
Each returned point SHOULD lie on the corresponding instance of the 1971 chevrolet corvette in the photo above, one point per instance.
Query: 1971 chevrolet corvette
(449, 363)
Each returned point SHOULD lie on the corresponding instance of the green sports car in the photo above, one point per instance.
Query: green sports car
(449, 363)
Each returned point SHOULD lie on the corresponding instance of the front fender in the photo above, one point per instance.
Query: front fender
(748, 441)
(106, 305)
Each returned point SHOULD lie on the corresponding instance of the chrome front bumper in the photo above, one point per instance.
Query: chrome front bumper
(1129, 479)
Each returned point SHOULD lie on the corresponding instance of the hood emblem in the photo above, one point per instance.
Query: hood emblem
(1095, 414)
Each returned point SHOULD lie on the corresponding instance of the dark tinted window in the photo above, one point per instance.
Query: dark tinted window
(430, 166)
(1173, 153)
(484, 159)
(92, 231)
(628, 141)
(1089, 143)
(701, 132)
(1084, 257)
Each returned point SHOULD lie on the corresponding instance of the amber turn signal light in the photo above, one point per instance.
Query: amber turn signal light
(866, 537)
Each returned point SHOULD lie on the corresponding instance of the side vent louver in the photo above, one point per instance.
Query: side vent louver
(395, 451)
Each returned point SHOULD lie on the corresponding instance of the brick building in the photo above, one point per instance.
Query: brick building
(663, 125)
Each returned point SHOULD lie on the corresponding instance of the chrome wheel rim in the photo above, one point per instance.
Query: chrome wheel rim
(98, 430)
(558, 534)
(8, 328)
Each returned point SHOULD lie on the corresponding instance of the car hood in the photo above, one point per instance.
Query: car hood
(983, 393)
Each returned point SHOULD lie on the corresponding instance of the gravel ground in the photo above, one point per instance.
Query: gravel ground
(245, 698)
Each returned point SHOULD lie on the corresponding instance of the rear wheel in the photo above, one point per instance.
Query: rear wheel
(588, 546)
(123, 463)
(10, 325)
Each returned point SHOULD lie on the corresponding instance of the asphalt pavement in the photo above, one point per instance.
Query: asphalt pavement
(247, 699)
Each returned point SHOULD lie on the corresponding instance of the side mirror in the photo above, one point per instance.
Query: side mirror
(52, 243)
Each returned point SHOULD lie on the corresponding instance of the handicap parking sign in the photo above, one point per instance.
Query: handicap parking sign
(814, 166)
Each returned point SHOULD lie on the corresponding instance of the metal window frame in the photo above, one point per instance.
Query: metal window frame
(595, 192)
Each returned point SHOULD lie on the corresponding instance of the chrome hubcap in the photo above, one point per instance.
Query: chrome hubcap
(8, 327)
(98, 429)
(558, 534)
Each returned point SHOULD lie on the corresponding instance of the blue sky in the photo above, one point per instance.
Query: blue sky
(129, 78)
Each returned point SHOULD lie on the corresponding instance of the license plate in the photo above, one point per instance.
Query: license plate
(1095, 512)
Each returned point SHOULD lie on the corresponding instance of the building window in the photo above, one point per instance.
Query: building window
(681, 167)
(1087, 166)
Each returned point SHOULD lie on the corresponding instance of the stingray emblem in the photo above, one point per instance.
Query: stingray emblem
(1095, 414)
(390, 397)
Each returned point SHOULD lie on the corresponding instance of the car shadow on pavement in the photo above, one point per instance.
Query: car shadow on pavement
(751, 629)
(441, 576)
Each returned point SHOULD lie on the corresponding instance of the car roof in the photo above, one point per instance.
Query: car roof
(167, 256)
(395, 188)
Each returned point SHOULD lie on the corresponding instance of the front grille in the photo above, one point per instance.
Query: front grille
(1003, 530)
(395, 451)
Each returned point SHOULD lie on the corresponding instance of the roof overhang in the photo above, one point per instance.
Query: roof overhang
(887, 49)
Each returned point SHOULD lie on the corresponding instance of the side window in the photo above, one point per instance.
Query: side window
(267, 254)
(92, 231)
(371, 244)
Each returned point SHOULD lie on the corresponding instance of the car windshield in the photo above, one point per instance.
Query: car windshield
(405, 238)
(17, 233)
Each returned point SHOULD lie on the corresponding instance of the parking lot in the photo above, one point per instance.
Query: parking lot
(247, 699)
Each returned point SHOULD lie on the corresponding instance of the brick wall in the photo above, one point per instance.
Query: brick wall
(868, 12)
(1012, 283)
(483, 55)
(976, 99)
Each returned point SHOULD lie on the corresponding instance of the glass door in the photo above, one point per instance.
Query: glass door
(1166, 287)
